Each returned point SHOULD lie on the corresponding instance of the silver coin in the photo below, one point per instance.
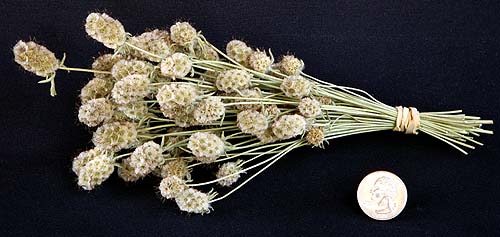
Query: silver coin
(382, 195)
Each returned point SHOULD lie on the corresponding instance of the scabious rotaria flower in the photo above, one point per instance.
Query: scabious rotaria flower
(290, 65)
(259, 61)
(315, 136)
(127, 172)
(252, 122)
(309, 108)
(239, 51)
(296, 86)
(206, 147)
(182, 33)
(35, 58)
(175, 95)
(95, 172)
(124, 68)
(115, 136)
(156, 42)
(209, 110)
(146, 158)
(288, 126)
(84, 157)
(105, 29)
(95, 111)
(130, 89)
(178, 65)
(233, 80)
(95, 88)
(105, 63)
(134, 110)
(227, 169)
(178, 168)
(172, 186)
(194, 201)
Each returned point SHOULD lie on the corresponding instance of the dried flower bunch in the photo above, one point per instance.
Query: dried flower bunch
(167, 102)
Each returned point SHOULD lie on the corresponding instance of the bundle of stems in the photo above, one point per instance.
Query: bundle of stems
(168, 102)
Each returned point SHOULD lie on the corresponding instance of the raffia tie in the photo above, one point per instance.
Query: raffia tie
(407, 120)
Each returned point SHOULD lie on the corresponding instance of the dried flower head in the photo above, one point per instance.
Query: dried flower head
(309, 108)
(233, 80)
(105, 63)
(178, 168)
(125, 67)
(206, 147)
(324, 100)
(95, 172)
(239, 51)
(84, 157)
(130, 89)
(315, 136)
(127, 172)
(259, 61)
(105, 29)
(209, 110)
(194, 201)
(288, 126)
(272, 111)
(230, 172)
(135, 110)
(95, 111)
(95, 88)
(175, 95)
(296, 86)
(178, 65)
(115, 136)
(252, 122)
(35, 58)
(183, 33)
(172, 186)
(156, 42)
(249, 93)
(290, 65)
(146, 158)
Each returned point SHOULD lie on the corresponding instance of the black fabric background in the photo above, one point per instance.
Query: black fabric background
(435, 55)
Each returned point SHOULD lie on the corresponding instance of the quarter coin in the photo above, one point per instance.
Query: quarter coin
(382, 195)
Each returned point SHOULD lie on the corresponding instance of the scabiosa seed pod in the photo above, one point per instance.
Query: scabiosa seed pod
(176, 94)
(183, 33)
(259, 61)
(95, 112)
(130, 89)
(178, 65)
(208, 110)
(239, 51)
(35, 58)
(171, 187)
(146, 158)
(249, 93)
(115, 136)
(252, 122)
(156, 42)
(95, 172)
(105, 63)
(288, 126)
(290, 65)
(267, 136)
(84, 157)
(127, 172)
(105, 29)
(124, 68)
(309, 108)
(194, 201)
(296, 86)
(206, 147)
(229, 168)
(315, 137)
(233, 80)
(134, 111)
(95, 88)
(271, 111)
(178, 168)
(324, 100)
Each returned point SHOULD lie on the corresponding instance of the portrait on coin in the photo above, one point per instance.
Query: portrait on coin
(384, 192)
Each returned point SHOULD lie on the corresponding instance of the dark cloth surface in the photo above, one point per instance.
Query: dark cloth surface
(434, 55)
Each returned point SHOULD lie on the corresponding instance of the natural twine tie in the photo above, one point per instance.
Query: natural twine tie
(407, 120)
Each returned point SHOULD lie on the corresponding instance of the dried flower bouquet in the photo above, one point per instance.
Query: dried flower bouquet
(167, 102)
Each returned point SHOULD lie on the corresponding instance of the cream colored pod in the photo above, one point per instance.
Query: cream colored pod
(178, 65)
